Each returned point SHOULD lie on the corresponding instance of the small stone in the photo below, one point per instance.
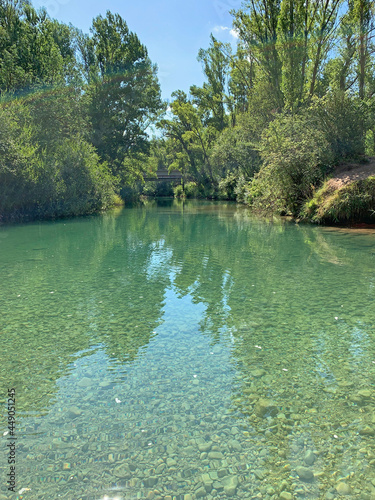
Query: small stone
(74, 412)
(304, 473)
(149, 482)
(230, 485)
(160, 468)
(188, 497)
(364, 394)
(258, 373)
(189, 450)
(171, 462)
(265, 407)
(207, 482)
(270, 491)
(285, 495)
(309, 457)
(283, 485)
(85, 382)
(215, 455)
(367, 431)
(222, 473)
(234, 445)
(122, 471)
(200, 493)
(343, 489)
(259, 474)
(204, 447)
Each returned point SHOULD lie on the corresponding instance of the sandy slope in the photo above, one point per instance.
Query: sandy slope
(350, 172)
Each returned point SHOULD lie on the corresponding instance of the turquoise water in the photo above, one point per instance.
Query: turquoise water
(183, 351)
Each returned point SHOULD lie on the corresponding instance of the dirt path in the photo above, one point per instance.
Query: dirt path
(349, 172)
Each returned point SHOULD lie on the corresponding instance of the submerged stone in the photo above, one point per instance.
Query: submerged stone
(230, 485)
(285, 495)
(367, 431)
(343, 489)
(304, 473)
(204, 447)
(309, 457)
(122, 471)
(265, 407)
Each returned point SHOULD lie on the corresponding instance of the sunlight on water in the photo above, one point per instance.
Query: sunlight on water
(186, 351)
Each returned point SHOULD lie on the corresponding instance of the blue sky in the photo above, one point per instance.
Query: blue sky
(173, 31)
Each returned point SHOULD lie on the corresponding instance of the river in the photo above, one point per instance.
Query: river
(179, 351)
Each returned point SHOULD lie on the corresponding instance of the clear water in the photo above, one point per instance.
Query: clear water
(182, 351)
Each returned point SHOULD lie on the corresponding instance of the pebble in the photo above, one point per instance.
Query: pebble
(309, 457)
(200, 493)
(265, 407)
(85, 382)
(122, 471)
(285, 495)
(74, 412)
(343, 489)
(304, 473)
(234, 445)
(367, 431)
(230, 485)
(215, 455)
(204, 447)
(283, 485)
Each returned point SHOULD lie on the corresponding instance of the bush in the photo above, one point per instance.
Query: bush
(74, 182)
(190, 190)
(296, 155)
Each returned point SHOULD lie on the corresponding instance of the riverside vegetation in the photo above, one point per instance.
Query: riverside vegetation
(271, 123)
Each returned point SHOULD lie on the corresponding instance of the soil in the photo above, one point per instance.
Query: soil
(350, 172)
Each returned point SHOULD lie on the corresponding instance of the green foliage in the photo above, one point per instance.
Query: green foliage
(36, 182)
(189, 140)
(124, 93)
(212, 98)
(73, 181)
(235, 152)
(296, 156)
(341, 118)
(179, 191)
(75, 112)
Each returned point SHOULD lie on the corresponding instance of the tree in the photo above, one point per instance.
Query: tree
(191, 140)
(213, 97)
(123, 89)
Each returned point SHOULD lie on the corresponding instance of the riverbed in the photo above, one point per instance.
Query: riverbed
(187, 350)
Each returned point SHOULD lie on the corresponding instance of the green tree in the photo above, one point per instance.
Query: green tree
(212, 98)
(191, 140)
(124, 91)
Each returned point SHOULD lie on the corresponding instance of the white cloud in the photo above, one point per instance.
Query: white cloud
(234, 33)
(217, 29)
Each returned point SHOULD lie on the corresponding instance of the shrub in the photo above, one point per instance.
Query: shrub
(296, 156)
